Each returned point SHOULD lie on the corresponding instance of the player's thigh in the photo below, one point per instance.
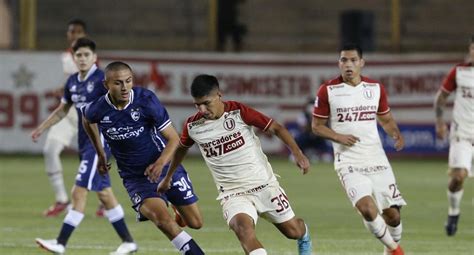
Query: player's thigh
(273, 204)
(355, 184)
(181, 192)
(88, 175)
(460, 154)
(236, 205)
(386, 191)
(140, 189)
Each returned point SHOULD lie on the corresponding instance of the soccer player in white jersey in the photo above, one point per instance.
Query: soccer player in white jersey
(353, 104)
(461, 80)
(61, 135)
(244, 178)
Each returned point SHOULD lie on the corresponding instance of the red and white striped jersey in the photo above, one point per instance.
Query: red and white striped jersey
(352, 110)
(461, 80)
(230, 147)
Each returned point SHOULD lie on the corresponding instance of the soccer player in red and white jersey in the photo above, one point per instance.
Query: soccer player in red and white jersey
(247, 186)
(353, 104)
(460, 80)
(62, 134)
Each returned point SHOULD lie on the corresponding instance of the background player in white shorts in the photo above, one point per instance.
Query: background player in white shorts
(353, 104)
(62, 134)
(244, 178)
(461, 80)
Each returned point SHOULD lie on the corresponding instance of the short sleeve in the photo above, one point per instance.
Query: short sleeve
(321, 103)
(185, 140)
(158, 112)
(449, 82)
(67, 98)
(255, 118)
(383, 101)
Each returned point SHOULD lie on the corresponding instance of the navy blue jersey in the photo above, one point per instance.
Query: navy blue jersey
(79, 93)
(133, 133)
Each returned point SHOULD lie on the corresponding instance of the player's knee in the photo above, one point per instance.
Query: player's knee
(243, 232)
(164, 224)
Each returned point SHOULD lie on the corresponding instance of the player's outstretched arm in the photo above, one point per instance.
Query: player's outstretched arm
(93, 132)
(320, 128)
(52, 119)
(153, 171)
(439, 106)
(390, 127)
(176, 160)
(281, 132)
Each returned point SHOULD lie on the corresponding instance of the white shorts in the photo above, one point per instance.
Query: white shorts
(460, 154)
(271, 203)
(65, 130)
(377, 182)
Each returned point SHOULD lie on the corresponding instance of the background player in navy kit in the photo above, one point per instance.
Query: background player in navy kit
(137, 127)
(81, 88)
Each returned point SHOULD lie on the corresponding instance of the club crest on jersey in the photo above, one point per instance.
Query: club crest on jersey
(368, 94)
(135, 114)
(90, 87)
(229, 124)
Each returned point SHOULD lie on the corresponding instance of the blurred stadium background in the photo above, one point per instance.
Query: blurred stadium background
(269, 54)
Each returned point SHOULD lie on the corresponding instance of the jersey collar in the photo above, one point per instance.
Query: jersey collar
(130, 100)
(91, 71)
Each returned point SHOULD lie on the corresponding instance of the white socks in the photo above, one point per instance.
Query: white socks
(380, 230)
(115, 214)
(73, 218)
(51, 151)
(259, 251)
(396, 232)
(454, 201)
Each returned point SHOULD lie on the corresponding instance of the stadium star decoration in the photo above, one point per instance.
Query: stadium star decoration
(23, 77)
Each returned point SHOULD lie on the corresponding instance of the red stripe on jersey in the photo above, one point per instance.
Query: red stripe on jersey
(249, 115)
(449, 82)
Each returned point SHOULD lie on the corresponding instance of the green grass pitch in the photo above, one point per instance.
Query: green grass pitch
(317, 198)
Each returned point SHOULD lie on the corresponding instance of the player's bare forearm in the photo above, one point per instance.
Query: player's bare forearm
(284, 135)
(58, 114)
(176, 160)
(93, 132)
(319, 128)
(439, 105)
(391, 128)
(173, 141)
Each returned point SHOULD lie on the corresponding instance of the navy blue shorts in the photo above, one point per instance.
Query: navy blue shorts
(88, 175)
(180, 193)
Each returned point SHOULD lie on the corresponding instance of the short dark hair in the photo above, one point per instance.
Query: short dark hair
(117, 66)
(203, 84)
(83, 42)
(78, 22)
(352, 46)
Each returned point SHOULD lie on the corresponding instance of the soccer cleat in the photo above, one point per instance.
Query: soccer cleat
(305, 245)
(397, 251)
(51, 245)
(125, 248)
(178, 218)
(55, 209)
(451, 225)
(100, 212)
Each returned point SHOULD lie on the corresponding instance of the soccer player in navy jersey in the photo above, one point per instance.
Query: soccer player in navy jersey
(81, 88)
(142, 139)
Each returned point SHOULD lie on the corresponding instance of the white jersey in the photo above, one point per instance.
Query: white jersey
(69, 66)
(352, 110)
(461, 80)
(231, 149)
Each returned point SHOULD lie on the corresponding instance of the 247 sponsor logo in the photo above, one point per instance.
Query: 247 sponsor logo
(228, 144)
(356, 116)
